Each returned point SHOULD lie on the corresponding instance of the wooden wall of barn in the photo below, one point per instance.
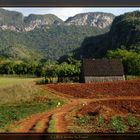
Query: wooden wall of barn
(90, 79)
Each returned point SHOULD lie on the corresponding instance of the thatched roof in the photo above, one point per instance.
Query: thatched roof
(102, 67)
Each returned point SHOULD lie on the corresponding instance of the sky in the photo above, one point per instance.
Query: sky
(64, 13)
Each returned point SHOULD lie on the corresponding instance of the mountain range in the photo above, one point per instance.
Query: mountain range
(47, 36)
(15, 21)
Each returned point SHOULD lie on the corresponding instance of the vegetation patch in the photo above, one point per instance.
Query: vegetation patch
(100, 121)
(52, 123)
(132, 121)
(83, 123)
(118, 124)
(10, 113)
(82, 120)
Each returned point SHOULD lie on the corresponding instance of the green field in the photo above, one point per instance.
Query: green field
(21, 97)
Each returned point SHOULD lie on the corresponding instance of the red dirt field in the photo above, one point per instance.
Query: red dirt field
(98, 90)
(110, 108)
(109, 99)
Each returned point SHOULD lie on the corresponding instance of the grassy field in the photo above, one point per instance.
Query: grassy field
(20, 97)
(5, 81)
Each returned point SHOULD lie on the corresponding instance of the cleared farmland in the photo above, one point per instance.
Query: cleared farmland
(75, 108)
(106, 107)
(110, 108)
(98, 90)
(107, 116)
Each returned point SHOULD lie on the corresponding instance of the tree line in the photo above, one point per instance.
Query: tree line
(41, 69)
(69, 68)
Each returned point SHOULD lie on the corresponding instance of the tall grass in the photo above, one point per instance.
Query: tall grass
(6, 81)
(14, 90)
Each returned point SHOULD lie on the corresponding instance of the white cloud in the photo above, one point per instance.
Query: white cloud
(64, 13)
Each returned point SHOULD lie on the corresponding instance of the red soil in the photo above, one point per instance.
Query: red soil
(110, 108)
(98, 90)
(28, 125)
(105, 99)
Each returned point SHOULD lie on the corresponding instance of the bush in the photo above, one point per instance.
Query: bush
(117, 123)
(100, 121)
(132, 121)
(83, 120)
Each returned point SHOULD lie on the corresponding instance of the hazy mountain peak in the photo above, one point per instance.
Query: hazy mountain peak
(15, 21)
(33, 21)
(96, 19)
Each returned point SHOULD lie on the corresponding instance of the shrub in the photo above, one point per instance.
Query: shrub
(118, 124)
(132, 121)
(83, 120)
(100, 121)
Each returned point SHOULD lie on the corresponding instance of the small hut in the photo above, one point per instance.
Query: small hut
(101, 70)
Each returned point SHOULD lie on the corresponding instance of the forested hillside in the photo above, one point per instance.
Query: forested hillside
(52, 43)
(121, 42)
(124, 34)
(47, 34)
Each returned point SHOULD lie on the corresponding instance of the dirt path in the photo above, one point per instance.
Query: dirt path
(112, 98)
(61, 124)
(40, 122)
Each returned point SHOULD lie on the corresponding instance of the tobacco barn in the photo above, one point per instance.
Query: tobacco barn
(101, 70)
